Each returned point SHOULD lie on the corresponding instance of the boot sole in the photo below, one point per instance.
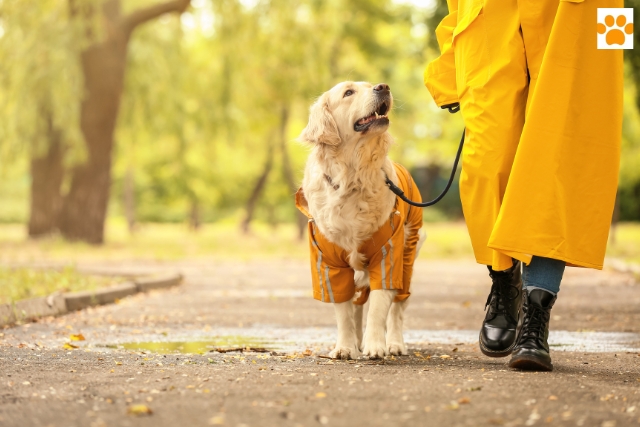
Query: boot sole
(494, 353)
(530, 363)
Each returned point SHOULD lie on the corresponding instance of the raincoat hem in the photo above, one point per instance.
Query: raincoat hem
(337, 297)
(571, 262)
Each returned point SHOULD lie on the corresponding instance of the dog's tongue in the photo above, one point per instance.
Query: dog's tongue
(366, 119)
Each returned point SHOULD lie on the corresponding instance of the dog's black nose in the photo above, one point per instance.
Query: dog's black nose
(381, 87)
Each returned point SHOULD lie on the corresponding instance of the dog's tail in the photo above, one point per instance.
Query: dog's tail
(356, 260)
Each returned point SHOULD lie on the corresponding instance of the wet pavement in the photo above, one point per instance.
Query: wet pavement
(170, 351)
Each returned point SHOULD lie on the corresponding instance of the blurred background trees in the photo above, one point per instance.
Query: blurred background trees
(192, 117)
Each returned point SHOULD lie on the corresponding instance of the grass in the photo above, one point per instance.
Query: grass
(219, 241)
(625, 243)
(22, 283)
(224, 240)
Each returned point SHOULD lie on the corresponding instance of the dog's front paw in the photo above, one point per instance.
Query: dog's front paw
(344, 353)
(375, 349)
(397, 349)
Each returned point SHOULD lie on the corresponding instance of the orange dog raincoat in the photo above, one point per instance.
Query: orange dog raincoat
(389, 257)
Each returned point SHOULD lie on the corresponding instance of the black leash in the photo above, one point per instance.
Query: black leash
(453, 108)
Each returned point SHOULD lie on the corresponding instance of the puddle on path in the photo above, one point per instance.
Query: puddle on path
(222, 343)
(319, 339)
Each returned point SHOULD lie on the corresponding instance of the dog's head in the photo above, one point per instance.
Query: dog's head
(349, 111)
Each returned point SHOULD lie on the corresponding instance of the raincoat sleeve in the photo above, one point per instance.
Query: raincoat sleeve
(440, 74)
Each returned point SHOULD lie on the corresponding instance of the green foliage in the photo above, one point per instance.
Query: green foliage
(40, 77)
(206, 94)
(211, 95)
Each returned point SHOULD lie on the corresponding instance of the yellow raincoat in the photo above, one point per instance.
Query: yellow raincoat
(543, 111)
(389, 257)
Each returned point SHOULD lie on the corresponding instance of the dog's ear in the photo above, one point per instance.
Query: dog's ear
(322, 128)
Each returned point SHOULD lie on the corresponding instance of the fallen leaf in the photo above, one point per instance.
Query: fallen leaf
(139, 410)
(118, 363)
(474, 388)
(464, 400)
(77, 337)
(552, 397)
(453, 406)
(218, 420)
(69, 346)
(455, 349)
(321, 395)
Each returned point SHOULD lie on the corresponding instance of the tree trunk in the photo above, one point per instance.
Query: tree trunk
(257, 189)
(194, 215)
(85, 206)
(130, 199)
(46, 178)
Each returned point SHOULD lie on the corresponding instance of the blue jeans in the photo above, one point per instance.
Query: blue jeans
(543, 273)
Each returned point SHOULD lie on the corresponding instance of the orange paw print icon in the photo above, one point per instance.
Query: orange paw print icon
(615, 36)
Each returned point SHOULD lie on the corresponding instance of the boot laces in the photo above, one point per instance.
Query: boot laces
(535, 321)
(502, 292)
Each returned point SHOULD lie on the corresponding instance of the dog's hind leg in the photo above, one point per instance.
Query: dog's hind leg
(395, 340)
(346, 347)
(374, 336)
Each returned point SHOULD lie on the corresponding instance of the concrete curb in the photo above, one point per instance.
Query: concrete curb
(79, 300)
(57, 304)
(158, 282)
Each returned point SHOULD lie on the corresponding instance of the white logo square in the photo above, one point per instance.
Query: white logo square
(615, 28)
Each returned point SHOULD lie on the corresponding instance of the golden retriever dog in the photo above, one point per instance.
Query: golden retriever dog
(349, 205)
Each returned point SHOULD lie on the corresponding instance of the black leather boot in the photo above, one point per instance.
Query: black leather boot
(499, 329)
(532, 350)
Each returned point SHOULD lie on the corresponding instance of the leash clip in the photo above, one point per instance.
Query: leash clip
(453, 108)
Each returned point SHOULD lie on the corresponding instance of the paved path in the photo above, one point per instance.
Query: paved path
(129, 357)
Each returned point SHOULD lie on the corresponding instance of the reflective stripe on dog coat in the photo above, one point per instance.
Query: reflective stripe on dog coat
(388, 257)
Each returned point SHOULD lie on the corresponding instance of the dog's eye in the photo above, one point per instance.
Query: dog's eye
(348, 93)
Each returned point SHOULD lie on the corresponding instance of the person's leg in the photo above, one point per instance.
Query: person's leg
(491, 73)
(492, 84)
(543, 273)
(542, 279)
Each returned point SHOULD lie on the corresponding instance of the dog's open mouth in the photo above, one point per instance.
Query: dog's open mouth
(379, 116)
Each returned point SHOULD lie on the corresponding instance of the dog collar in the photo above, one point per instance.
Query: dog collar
(330, 181)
